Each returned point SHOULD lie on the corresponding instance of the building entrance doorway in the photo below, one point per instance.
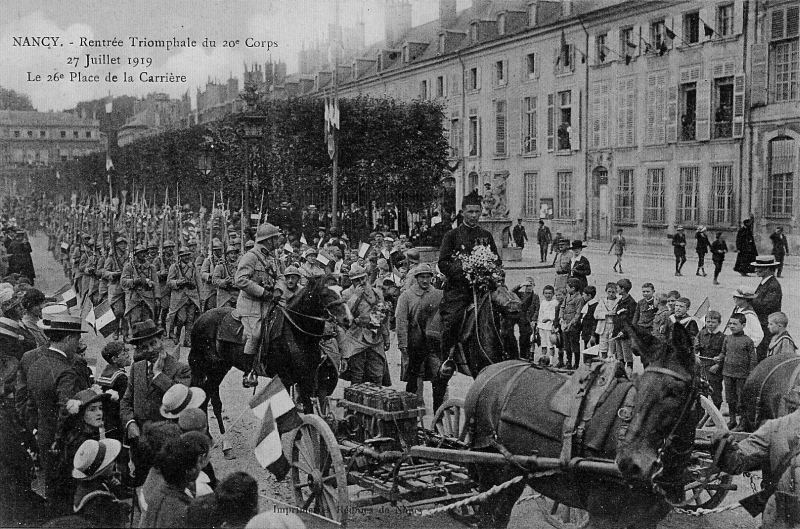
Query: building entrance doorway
(600, 204)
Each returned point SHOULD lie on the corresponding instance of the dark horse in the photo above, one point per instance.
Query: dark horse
(647, 427)
(294, 353)
(767, 392)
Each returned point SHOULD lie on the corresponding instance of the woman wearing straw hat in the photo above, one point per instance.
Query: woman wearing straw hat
(97, 495)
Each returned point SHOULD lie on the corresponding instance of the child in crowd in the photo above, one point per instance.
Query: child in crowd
(570, 324)
(672, 297)
(645, 309)
(782, 341)
(742, 297)
(114, 380)
(661, 318)
(99, 495)
(618, 245)
(626, 308)
(588, 321)
(604, 313)
(708, 346)
(737, 360)
(680, 316)
(546, 323)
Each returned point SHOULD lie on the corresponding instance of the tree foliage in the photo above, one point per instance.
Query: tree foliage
(13, 100)
(386, 148)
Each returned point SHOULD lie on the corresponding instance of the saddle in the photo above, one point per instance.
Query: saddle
(230, 328)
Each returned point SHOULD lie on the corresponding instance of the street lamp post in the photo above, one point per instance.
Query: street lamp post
(250, 128)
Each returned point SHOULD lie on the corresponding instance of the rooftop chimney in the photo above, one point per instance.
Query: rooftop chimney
(397, 21)
(447, 13)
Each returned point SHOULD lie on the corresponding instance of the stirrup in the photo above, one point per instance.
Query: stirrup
(447, 369)
(250, 380)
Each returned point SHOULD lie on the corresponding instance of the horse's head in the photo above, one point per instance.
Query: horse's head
(318, 301)
(335, 306)
(506, 302)
(659, 440)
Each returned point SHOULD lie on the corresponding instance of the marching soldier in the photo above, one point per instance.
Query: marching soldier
(76, 252)
(112, 274)
(91, 276)
(223, 276)
(208, 293)
(140, 283)
(184, 301)
(83, 278)
(163, 263)
(102, 282)
(256, 277)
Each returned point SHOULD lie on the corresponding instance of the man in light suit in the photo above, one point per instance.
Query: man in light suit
(768, 298)
(153, 373)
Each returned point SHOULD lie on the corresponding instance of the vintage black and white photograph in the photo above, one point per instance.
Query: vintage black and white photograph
(286, 264)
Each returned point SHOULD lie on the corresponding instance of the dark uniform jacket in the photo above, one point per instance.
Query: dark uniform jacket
(457, 290)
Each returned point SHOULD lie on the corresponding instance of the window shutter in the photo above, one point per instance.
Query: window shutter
(551, 118)
(538, 65)
(758, 74)
(595, 99)
(776, 24)
(650, 109)
(709, 16)
(703, 112)
(575, 125)
(466, 81)
(738, 17)
(500, 128)
(672, 114)
(572, 57)
(592, 52)
(478, 79)
(792, 21)
(738, 105)
(512, 132)
(478, 146)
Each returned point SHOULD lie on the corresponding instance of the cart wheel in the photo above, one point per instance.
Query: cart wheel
(706, 485)
(317, 476)
(561, 516)
(450, 419)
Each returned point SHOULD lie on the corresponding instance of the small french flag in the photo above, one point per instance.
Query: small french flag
(363, 250)
(67, 296)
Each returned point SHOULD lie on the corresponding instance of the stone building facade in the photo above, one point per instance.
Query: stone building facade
(40, 139)
(154, 114)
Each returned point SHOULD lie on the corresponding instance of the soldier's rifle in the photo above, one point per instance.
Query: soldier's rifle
(211, 227)
(242, 219)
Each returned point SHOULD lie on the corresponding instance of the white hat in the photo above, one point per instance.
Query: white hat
(93, 457)
(179, 398)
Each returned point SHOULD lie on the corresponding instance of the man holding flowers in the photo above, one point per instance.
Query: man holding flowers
(457, 249)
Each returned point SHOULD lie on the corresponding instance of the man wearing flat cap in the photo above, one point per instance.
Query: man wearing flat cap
(457, 294)
(52, 380)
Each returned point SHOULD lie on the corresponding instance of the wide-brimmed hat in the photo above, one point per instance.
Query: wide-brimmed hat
(744, 293)
(60, 322)
(765, 261)
(143, 330)
(93, 457)
(216, 244)
(10, 328)
(423, 268)
(357, 271)
(576, 244)
(83, 398)
(179, 398)
(140, 248)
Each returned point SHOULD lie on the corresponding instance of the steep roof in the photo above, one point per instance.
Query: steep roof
(33, 118)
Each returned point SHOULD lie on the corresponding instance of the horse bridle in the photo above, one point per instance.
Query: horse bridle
(668, 448)
(329, 318)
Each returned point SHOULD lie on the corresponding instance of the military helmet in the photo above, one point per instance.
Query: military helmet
(357, 271)
(233, 246)
(168, 244)
(249, 244)
(292, 271)
(153, 245)
(121, 240)
(216, 244)
(267, 230)
(139, 249)
(184, 251)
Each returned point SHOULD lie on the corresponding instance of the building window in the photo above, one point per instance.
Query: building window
(564, 182)
(529, 126)
(474, 136)
(658, 35)
(42, 134)
(564, 62)
(784, 70)
(624, 203)
(500, 73)
(781, 176)
(691, 28)
(565, 123)
(688, 102)
(75, 134)
(530, 65)
(721, 201)
(472, 182)
(441, 43)
(473, 32)
(63, 133)
(600, 48)
(689, 196)
(723, 107)
(88, 134)
(30, 134)
(423, 90)
(627, 42)
(500, 145)
(529, 209)
(474, 83)
(725, 20)
(16, 134)
(654, 197)
(455, 138)
(501, 24)
(440, 86)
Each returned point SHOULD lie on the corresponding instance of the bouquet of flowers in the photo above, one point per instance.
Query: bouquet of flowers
(379, 314)
(480, 267)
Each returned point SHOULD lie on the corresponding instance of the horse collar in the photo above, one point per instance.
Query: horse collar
(670, 372)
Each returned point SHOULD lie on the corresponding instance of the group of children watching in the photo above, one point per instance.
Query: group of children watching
(571, 323)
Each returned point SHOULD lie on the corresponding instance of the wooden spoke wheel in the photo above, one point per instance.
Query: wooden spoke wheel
(707, 485)
(562, 516)
(450, 420)
(317, 474)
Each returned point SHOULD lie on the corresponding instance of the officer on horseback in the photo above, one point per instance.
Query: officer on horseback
(255, 278)
(457, 294)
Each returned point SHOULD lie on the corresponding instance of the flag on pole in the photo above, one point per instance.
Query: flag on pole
(269, 450)
(323, 258)
(335, 113)
(67, 296)
(105, 322)
(363, 250)
(702, 310)
(288, 248)
(109, 163)
(275, 397)
(708, 30)
(90, 319)
(303, 239)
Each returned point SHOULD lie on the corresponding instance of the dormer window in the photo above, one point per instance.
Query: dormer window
(405, 54)
(441, 43)
(501, 24)
(473, 32)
